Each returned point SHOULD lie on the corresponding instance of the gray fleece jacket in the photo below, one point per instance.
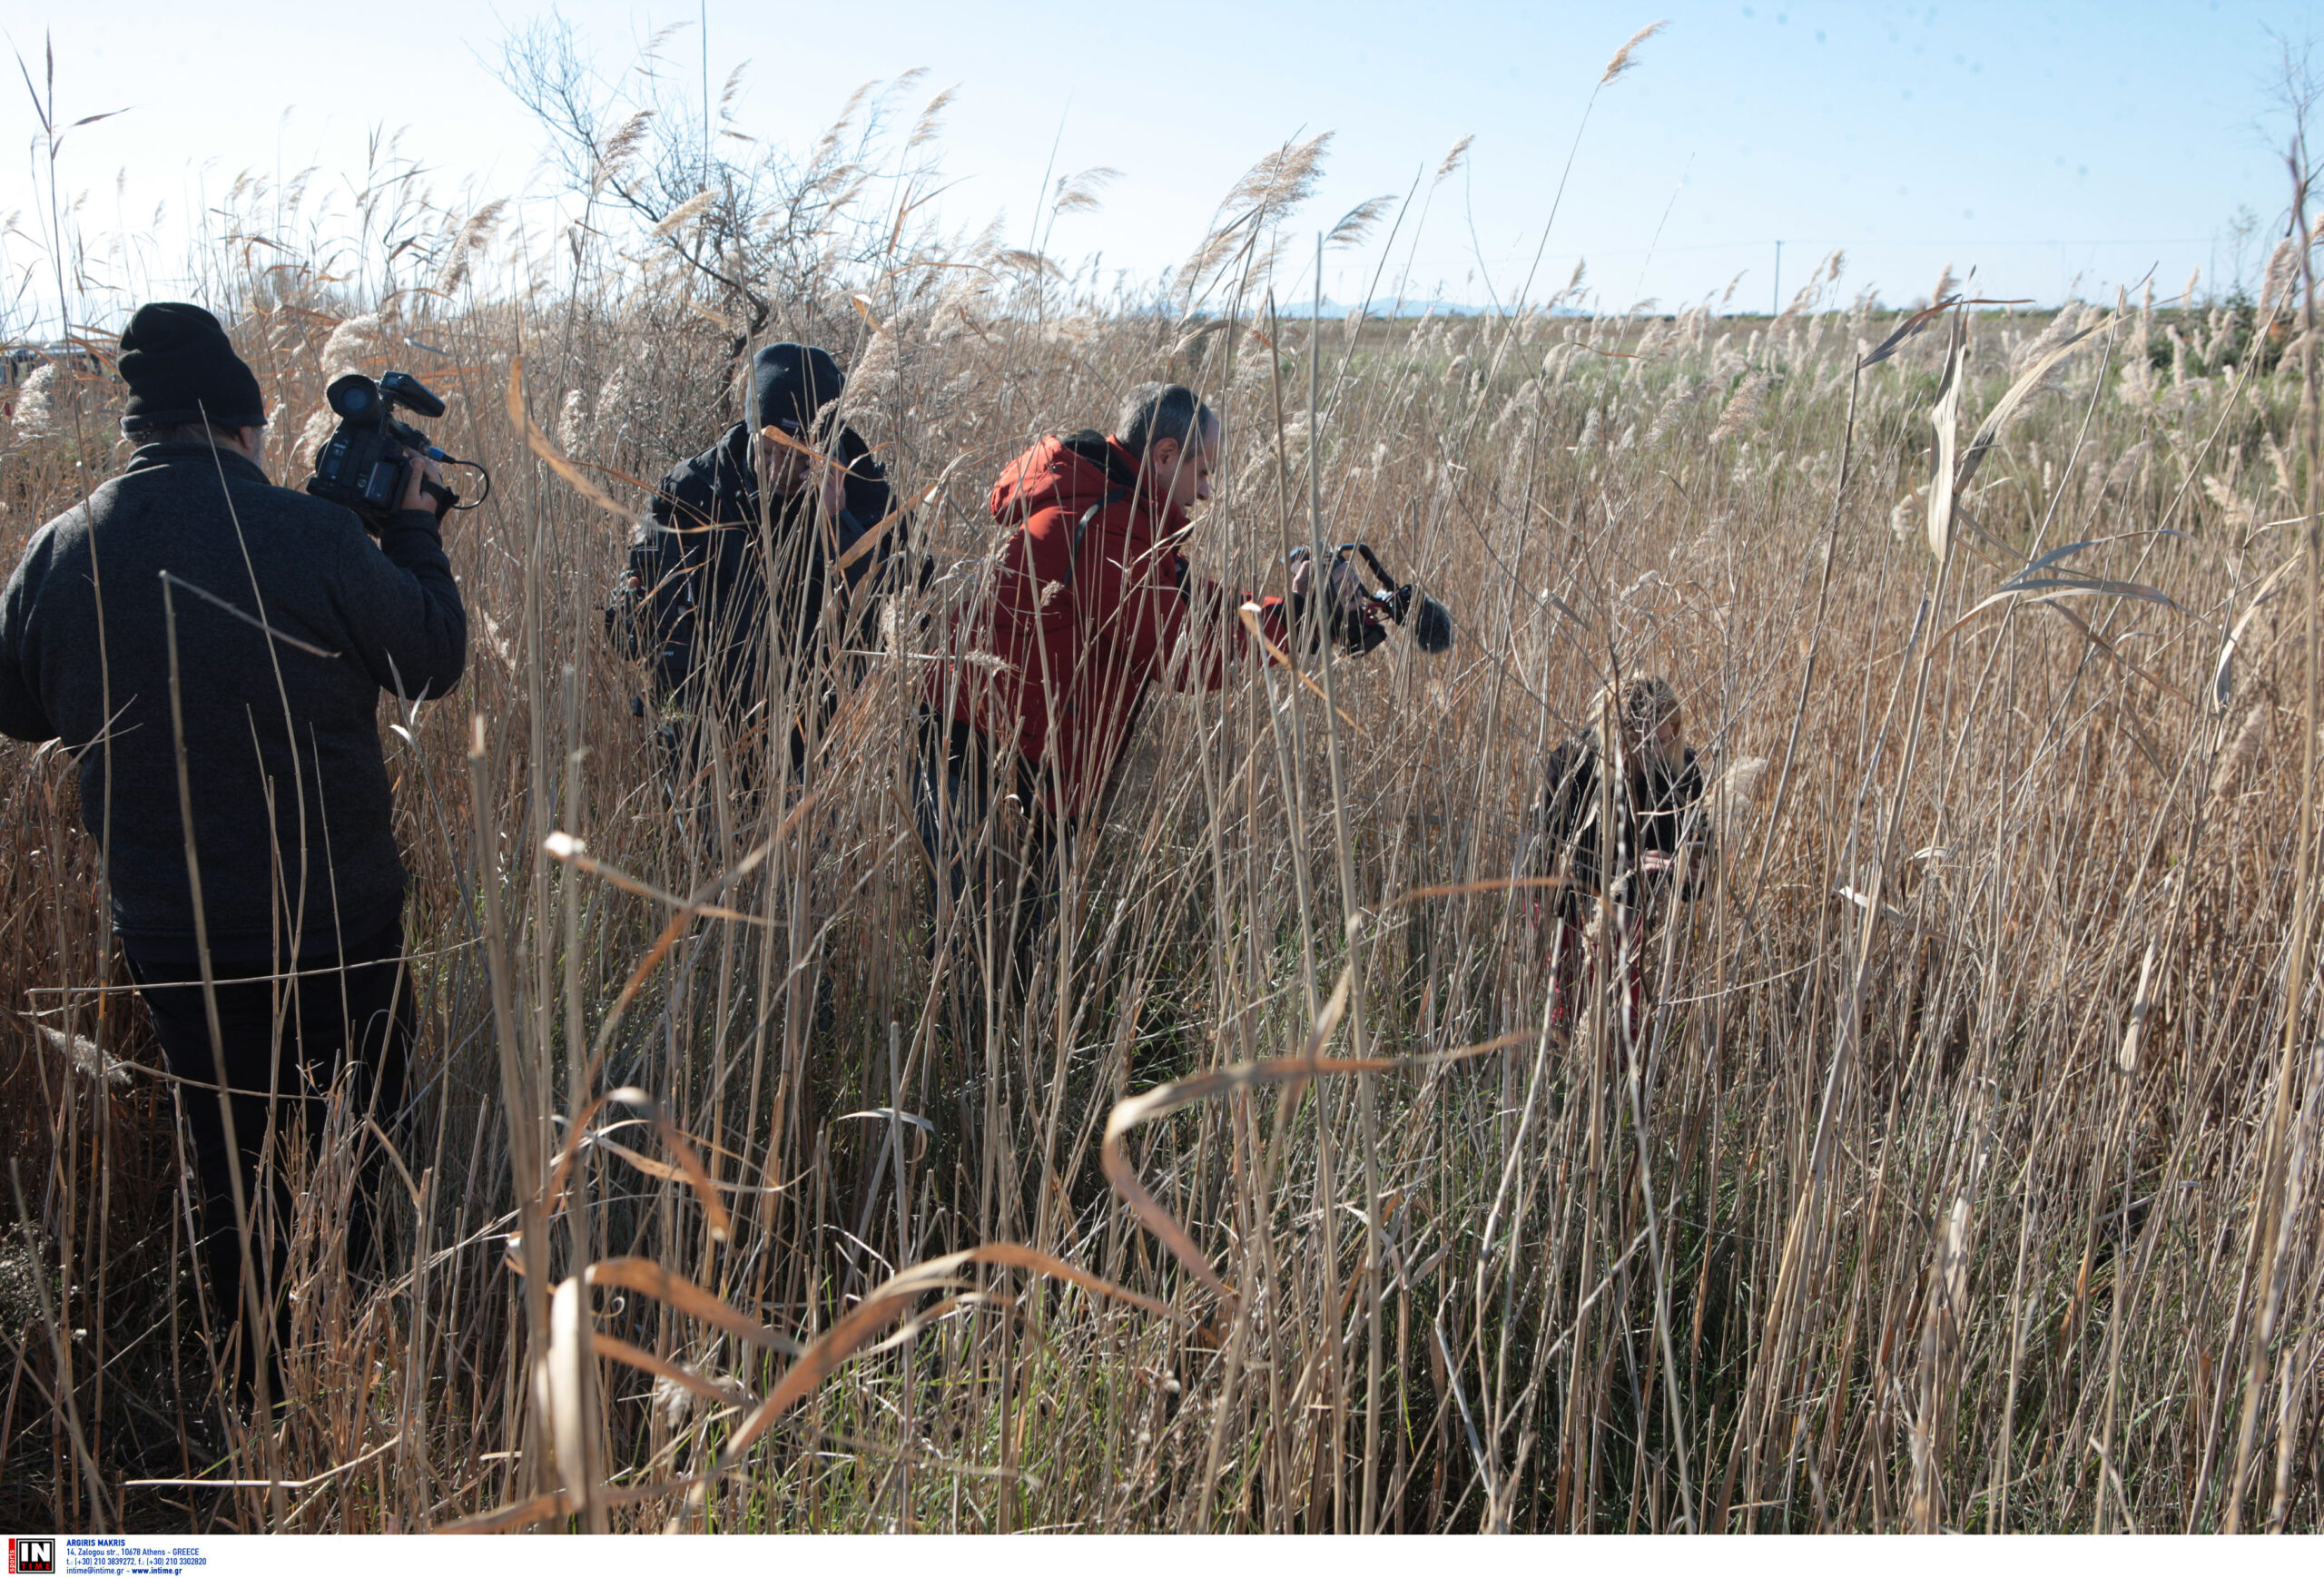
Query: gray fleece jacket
(290, 798)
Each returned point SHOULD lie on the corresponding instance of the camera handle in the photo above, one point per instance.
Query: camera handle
(1431, 621)
(445, 500)
(1387, 581)
(445, 497)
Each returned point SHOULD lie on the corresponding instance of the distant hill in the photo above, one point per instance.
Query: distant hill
(1390, 307)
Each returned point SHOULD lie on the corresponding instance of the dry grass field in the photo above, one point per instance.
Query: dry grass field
(1964, 1172)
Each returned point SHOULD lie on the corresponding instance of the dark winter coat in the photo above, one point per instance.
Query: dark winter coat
(709, 587)
(290, 794)
(1652, 811)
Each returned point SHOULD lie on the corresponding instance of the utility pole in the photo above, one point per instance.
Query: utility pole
(1775, 301)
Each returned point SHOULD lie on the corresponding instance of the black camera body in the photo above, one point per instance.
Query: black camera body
(367, 464)
(1399, 603)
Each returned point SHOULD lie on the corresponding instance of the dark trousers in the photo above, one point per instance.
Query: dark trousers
(682, 747)
(682, 743)
(998, 858)
(344, 1024)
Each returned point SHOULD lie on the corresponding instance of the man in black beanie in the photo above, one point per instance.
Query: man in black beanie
(737, 564)
(211, 648)
(183, 372)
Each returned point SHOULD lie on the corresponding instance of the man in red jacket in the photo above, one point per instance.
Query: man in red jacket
(1090, 605)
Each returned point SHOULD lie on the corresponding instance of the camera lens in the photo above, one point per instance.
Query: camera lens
(1433, 627)
(353, 396)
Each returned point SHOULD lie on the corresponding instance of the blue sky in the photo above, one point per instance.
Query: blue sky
(2050, 147)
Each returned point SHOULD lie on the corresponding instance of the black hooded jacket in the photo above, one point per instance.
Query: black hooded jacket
(710, 581)
(1655, 810)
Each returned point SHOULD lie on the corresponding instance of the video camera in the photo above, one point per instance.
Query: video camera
(1432, 621)
(367, 464)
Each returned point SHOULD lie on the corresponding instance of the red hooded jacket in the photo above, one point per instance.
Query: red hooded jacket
(1090, 603)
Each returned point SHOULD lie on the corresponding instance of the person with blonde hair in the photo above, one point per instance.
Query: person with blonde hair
(1660, 844)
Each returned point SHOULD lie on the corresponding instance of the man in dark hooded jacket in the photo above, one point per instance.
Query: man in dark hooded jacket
(749, 545)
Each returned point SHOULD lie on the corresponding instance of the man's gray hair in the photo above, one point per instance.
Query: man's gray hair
(1156, 412)
(214, 434)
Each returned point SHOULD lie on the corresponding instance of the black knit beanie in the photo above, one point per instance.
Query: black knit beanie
(791, 384)
(181, 368)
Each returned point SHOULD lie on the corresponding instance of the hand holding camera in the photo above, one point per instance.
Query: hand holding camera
(424, 486)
